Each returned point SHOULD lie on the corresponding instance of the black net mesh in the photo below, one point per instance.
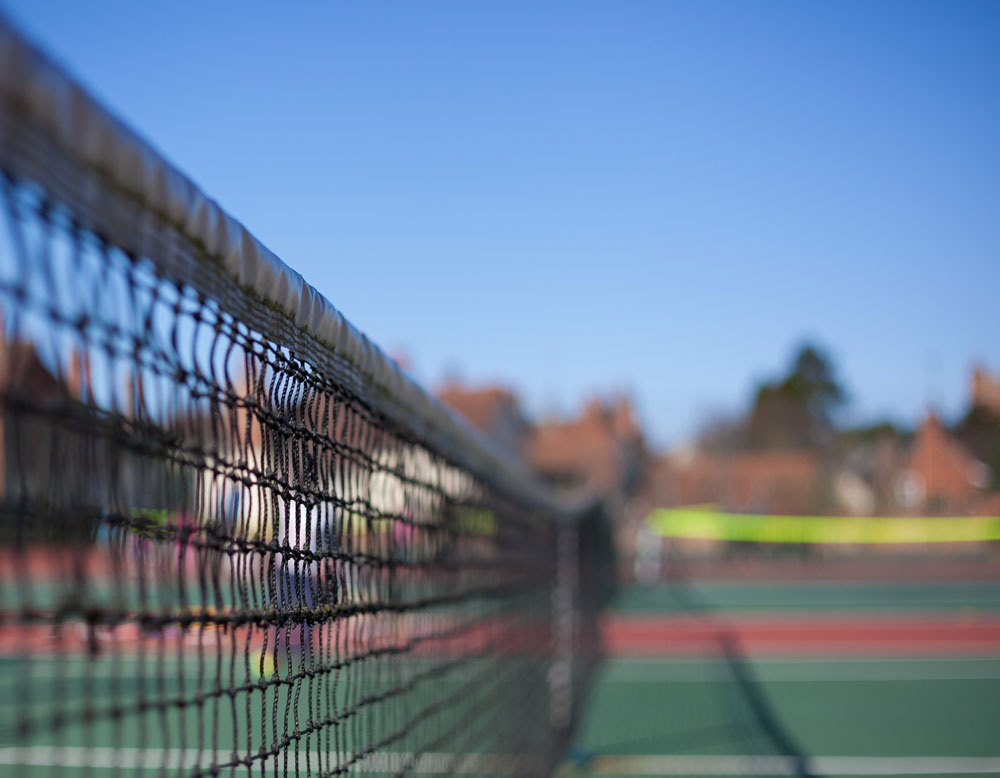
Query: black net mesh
(223, 551)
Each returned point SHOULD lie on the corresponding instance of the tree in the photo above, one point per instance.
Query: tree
(979, 431)
(798, 410)
(812, 381)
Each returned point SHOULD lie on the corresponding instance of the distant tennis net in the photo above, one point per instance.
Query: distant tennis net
(236, 539)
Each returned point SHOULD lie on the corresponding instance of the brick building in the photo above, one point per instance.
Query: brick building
(494, 411)
(779, 482)
(939, 476)
(985, 390)
(602, 449)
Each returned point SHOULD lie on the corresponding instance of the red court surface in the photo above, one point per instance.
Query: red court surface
(827, 633)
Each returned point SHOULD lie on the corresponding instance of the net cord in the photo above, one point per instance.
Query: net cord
(46, 117)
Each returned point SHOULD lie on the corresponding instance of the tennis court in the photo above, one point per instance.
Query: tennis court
(879, 703)
(236, 537)
(186, 739)
(239, 540)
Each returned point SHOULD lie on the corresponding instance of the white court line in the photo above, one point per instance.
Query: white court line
(614, 671)
(776, 765)
(441, 763)
(177, 759)
(799, 671)
(754, 661)
(873, 676)
(39, 661)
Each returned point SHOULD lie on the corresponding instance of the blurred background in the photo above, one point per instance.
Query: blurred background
(733, 267)
(578, 199)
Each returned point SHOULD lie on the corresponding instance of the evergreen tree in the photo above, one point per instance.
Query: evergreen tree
(798, 410)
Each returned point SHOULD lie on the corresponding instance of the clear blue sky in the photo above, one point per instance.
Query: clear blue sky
(576, 197)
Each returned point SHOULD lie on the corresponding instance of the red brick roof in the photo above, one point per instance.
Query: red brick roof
(985, 390)
(783, 482)
(493, 410)
(479, 407)
(601, 448)
(947, 472)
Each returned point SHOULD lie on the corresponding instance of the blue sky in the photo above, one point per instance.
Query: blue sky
(663, 197)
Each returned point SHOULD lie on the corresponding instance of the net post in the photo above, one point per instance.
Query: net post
(565, 606)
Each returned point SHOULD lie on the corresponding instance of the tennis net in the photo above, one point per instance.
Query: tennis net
(236, 537)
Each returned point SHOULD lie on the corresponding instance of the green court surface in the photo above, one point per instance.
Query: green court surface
(934, 716)
(810, 596)
(843, 715)
(73, 728)
(702, 716)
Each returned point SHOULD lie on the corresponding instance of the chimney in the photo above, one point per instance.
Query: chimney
(78, 375)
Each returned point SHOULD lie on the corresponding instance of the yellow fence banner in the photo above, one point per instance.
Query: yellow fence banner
(703, 522)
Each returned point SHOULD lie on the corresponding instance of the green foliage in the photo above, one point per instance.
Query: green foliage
(797, 411)
(812, 383)
(979, 432)
(874, 432)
